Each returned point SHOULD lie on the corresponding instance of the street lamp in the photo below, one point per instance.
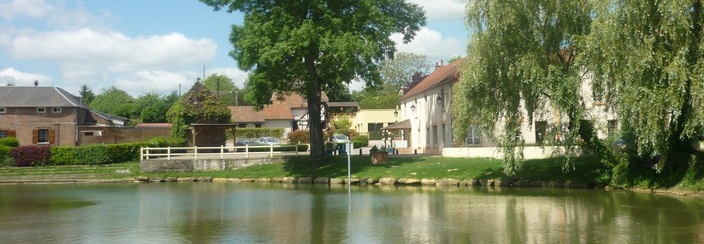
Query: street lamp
(396, 115)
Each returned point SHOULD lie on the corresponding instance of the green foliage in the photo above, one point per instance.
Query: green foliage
(160, 141)
(96, 154)
(196, 106)
(373, 99)
(9, 141)
(225, 90)
(646, 57)
(360, 141)
(521, 62)
(299, 136)
(5, 155)
(343, 122)
(257, 132)
(86, 94)
(116, 102)
(153, 106)
(310, 47)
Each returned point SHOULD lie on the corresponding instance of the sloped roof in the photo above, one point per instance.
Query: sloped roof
(37, 96)
(406, 124)
(441, 75)
(153, 125)
(277, 110)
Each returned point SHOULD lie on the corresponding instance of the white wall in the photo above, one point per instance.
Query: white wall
(286, 124)
(363, 117)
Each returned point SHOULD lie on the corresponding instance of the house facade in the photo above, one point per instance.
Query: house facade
(289, 112)
(48, 116)
(427, 118)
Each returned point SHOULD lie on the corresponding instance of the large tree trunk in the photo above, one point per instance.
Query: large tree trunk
(317, 145)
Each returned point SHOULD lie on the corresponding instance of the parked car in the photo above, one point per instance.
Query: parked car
(246, 142)
(340, 139)
(268, 140)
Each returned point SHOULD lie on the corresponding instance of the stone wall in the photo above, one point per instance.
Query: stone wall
(195, 165)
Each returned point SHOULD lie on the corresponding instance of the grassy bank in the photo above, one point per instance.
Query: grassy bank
(586, 170)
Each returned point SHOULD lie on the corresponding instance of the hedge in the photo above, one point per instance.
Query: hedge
(26, 156)
(96, 154)
(4, 155)
(360, 141)
(256, 132)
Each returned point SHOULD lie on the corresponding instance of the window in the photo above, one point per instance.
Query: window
(92, 133)
(612, 126)
(41, 110)
(56, 110)
(541, 128)
(3, 110)
(3, 133)
(474, 137)
(374, 131)
(257, 125)
(242, 125)
(43, 136)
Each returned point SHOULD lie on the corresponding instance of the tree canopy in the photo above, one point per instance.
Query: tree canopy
(313, 46)
(114, 101)
(521, 63)
(647, 57)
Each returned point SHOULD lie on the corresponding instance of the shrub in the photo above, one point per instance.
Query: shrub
(360, 141)
(4, 155)
(9, 141)
(26, 156)
(161, 141)
(97, 154)
(302, 136)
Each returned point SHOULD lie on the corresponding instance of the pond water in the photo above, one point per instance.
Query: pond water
(279, 213)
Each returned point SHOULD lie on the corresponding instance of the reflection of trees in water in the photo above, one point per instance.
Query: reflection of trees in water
(199, 230)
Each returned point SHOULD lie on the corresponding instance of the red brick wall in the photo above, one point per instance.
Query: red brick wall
(110, 135)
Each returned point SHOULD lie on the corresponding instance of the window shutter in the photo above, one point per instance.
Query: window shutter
(51, 136)
(12, 133)
(35, 136)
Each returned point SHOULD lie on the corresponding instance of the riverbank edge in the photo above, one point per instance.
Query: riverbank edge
(388, 181)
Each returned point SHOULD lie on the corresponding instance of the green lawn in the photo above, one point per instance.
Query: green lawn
(586, 169)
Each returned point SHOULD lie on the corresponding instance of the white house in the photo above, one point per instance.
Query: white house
(426, 119)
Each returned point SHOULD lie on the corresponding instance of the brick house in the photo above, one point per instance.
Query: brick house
(38, 115)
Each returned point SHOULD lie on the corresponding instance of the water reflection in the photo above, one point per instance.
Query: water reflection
(276, 213)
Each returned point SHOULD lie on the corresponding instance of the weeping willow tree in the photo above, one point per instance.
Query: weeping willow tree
(521, 63)
(647, 56)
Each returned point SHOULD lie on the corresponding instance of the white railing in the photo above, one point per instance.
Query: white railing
(204, 152)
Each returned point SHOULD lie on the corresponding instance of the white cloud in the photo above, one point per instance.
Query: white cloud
(437, 10)
(112, 50)
(432, 44)
(162, 82)
(18, 78)
(31, 8)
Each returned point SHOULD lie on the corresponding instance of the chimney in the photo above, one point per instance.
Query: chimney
(440, 65)
(36, 83)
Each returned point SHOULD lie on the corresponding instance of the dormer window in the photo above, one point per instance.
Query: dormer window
(41, 110)
(56, 110)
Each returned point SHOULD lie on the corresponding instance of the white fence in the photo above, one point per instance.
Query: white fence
(205, 152)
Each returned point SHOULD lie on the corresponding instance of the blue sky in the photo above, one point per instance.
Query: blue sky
(155, 45)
